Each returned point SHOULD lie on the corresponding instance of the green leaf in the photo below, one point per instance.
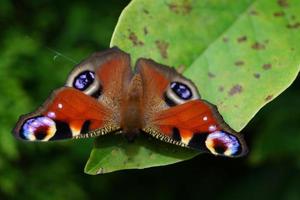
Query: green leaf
(240, 54)
(111, 153)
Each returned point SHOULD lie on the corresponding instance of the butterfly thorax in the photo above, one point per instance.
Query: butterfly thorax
(132, 108)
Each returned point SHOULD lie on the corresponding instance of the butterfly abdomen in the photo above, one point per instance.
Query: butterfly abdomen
(132, 109)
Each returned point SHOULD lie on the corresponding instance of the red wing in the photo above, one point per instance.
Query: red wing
(68, 113)
(197, 124)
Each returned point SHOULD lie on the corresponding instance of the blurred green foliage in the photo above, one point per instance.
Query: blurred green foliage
(29, 70)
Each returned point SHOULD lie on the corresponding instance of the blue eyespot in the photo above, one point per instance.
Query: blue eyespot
(181, 90)
(38, 128)
(223, 143)
(84, 80)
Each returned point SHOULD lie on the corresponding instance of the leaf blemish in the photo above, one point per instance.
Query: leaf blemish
(134, 39)
(235, 90)
(146, 11)
(162, 47)
(253, 12)
(225, 39)
(184, 8)
(258, 46)
(294, 25)
(145, 31)
(278, 14)
(239, 63)
(269, 97)
(211, 75)
(242, 39)
(283, 3)
(221, 89)
(256, 75)
(267, 66)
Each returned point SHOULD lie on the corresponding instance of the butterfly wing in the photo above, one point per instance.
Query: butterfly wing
(178, 115)
(87, 106)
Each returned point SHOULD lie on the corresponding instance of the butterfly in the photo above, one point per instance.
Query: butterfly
(102, 95)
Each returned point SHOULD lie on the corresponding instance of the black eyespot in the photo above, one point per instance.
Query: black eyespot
(84, 80)
(181, 90)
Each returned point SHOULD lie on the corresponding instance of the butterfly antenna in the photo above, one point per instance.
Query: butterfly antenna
(58, 54)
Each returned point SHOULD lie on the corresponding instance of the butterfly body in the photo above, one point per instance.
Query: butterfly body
(103, 95)
(132, 114)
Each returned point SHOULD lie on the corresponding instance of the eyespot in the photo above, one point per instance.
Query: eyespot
(38, 128)
(222, 143)
(83, 80)
(181, 90)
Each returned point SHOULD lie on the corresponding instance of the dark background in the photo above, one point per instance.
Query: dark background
(30, 68)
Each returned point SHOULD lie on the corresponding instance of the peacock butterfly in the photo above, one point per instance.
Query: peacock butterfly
(103, 96)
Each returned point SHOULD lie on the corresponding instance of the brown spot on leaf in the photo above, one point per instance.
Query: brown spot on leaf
(293, 17)
(184, 8)
(258, 46)
(283, 3)
(146, 11)
(134, 39)
(239, 63)
(225, 39)
(278, 14)
(269, 97)
(294, 25)
(235, 90)
(145, 31)
(211, 75)
(256, 75)
(253, 12)
(267, 66)
(242, 39)
(221, 88)
(162, 47)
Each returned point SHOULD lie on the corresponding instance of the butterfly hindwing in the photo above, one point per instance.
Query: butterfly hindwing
(197, 125)
(64, 116)
(181, 117)
(89, 104)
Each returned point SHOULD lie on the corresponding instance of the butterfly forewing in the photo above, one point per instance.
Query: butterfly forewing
(88, 106)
